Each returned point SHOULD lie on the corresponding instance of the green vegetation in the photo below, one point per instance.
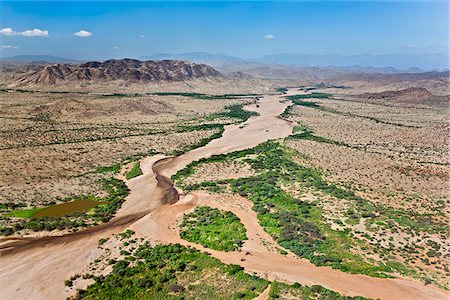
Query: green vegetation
(117, 192)
(287, 112)
(295, 224)
(202, 127)
(23, 213)
(130, 95)
(212, 228)
(101, 213)
(126, 234)
(114, 168)
(300, 128)
(281, 90)
(205, 96)
(134, 172)
(179, 272)
(297, 291)
(309, 96)
(236, 112)
(102, 241)
(308, 135)
(307, 88)
(307, 104)
(425, 222)
(173, 272)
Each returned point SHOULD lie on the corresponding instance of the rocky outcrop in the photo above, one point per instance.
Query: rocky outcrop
(129, 70)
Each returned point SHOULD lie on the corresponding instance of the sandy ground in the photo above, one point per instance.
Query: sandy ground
(38, 270)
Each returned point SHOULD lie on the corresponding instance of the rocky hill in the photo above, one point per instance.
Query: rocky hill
(129, 70)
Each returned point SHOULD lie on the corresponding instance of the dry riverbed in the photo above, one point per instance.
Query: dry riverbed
(43, 264)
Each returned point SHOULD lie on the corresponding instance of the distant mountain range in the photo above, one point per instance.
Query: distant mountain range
(143, 72)
(39, 59)
(384, 63)
(309, 73)
(397, 62)
(129, 70)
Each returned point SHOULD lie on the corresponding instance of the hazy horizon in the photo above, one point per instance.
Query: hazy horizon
(384, 62)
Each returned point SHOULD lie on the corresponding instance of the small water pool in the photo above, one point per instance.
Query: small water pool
(62, 209)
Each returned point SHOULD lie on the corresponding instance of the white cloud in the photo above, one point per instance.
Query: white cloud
(8, 47)
(7, 31)
(142, 36)
(28, 33)
(116, 48)
(83, 33)
(34, 32)
(269, 36)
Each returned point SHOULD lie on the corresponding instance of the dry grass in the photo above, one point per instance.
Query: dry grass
(52, 143)
(219, 171)
(402, 170)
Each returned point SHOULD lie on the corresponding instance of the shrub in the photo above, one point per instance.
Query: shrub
(134, 172)
(175, 288)
(212, 228)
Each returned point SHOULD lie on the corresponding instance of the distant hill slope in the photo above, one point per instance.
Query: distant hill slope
(435, 82)
(129, 70)
(413, 95)
(312, 73)
(389, 78)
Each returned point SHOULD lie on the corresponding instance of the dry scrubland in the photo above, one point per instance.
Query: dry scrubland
(361, 187)
(56, 145)
(396, 158)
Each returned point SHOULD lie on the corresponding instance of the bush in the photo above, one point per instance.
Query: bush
(212, 228)
(294, 224)
(154, 276)
(68, 283)
(6, 231)
(134, 172)
(102, 241)
(175, 288)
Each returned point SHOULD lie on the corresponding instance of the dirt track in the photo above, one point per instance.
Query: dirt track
(36, 269)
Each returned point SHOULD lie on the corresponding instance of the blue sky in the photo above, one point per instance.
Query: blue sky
(244, 29)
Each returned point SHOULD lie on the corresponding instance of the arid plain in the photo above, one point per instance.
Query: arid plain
(326, 189)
